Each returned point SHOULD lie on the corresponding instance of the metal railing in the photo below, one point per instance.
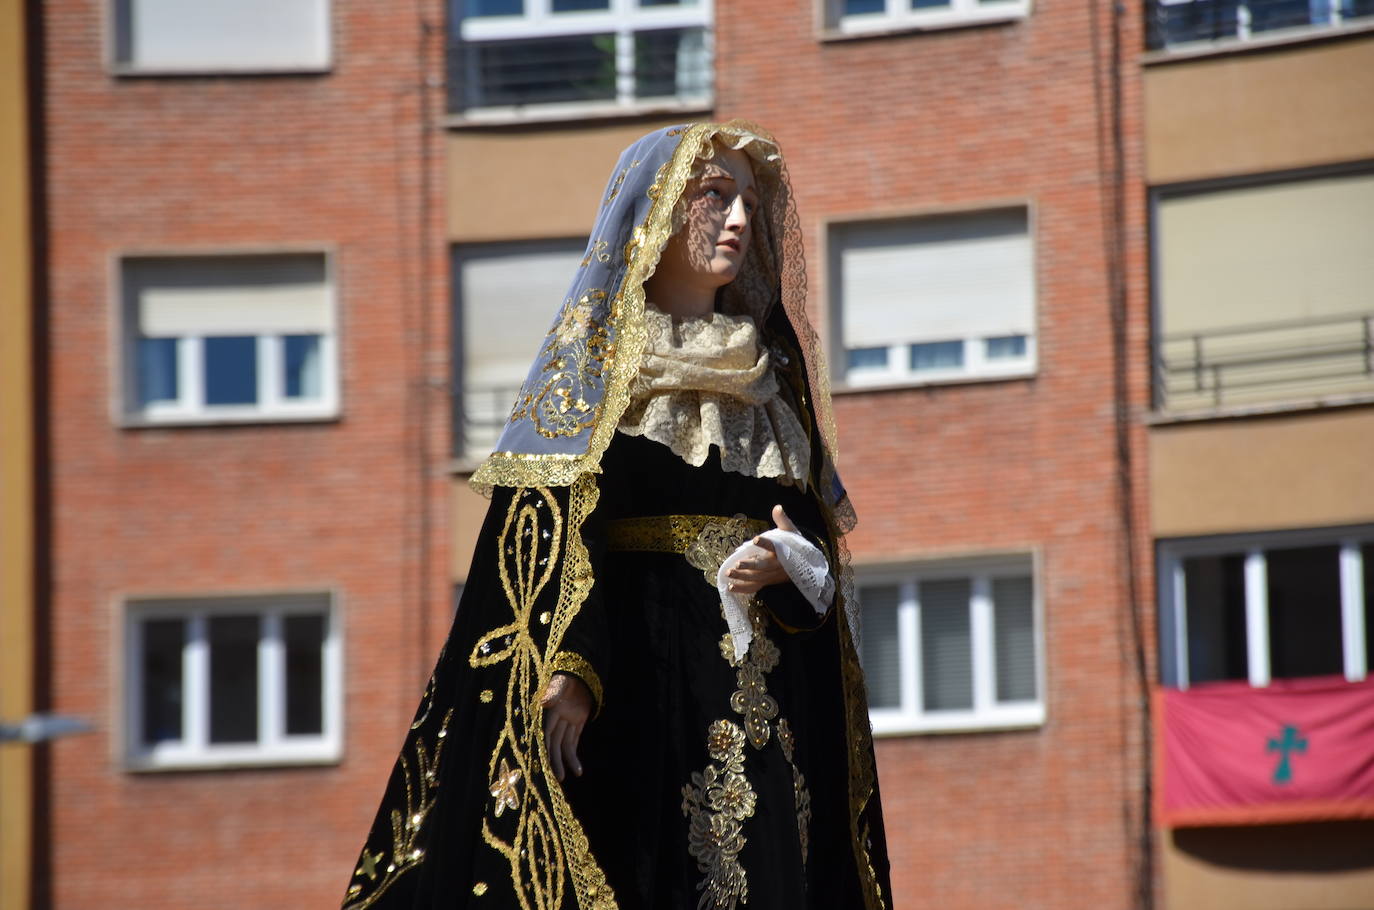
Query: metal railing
(1192, 23)
(608, 68)
(483, 412)
(1254, 364)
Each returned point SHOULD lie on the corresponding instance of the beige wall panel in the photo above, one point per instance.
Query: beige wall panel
(1318, 866)
(1306, 470)
(467, 511)
(528, 185)
(16, 463)
(1265, 110)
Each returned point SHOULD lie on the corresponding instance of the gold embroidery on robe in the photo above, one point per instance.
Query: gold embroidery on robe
(716, 803)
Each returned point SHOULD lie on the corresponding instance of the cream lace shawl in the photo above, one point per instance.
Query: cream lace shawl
(707, 381)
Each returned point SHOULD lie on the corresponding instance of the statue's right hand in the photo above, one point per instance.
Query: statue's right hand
(567, 706)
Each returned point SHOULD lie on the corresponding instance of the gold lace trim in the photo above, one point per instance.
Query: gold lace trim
(676, 533)
(577, 665)
(621, 363)
(540, 838)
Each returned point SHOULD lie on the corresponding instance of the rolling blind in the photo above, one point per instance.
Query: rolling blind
(223, 34)
(1013, 630)
(881, 656)
(937, 278)
(229, 295)
(946, 645)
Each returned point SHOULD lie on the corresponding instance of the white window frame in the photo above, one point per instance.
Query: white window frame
(133, 68)
(898, 372)
(274, 746)
(1173, 607)
(623, 18)
(190, 407)
(987, 713)
(898, 15)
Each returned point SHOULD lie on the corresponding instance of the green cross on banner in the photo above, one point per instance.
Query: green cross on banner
(1287, 743)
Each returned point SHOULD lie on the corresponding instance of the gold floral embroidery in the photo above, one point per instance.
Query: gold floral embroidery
(505, 789)
(716, 803)
(571, 371)
(598, 251)
(751, 700)
(716, 541)
(670, 533)
(615, 187)
(801, 796)
(421, 781)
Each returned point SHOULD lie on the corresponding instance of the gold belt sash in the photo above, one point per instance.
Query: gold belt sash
(706, 540)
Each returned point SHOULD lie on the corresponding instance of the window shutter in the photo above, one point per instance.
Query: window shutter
(946, 646)
(229, 295)
(509, 298)
(936, 278)
(881, 656)
(1013, 629)
(201, 35)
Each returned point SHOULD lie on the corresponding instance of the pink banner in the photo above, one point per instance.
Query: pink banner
(1296, 750)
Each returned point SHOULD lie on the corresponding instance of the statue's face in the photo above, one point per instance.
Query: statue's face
(709, 249)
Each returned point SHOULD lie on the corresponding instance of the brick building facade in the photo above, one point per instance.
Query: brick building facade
(294, 484)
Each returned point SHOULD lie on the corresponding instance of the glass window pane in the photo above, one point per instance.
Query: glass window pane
(1272, 14)
(473, 9)
(234, 679)
(1214, 592)
(304, 673)
(163, 640)
(539, 71)
(231, 370)
(881, 657)
(668, 2)
(867, 358)
(937, 355)
(856, 7)
(929, 4)
(157, 370)
(671, 62)
(572, 6)
(1304, 612)
(1013, 629)
(946, 646)
(302, 367)
(1006, 347)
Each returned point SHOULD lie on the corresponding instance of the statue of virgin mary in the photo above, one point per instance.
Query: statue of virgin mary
(651, 695)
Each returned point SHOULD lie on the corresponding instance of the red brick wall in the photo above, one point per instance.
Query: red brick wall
(954, 119)
(337, 162)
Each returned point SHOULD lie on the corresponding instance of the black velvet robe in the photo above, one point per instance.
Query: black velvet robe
(706, 784)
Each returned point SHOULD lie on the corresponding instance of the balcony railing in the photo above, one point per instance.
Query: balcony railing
(607, 69)
(485, 410)
(1196, 23)
(1301, 359)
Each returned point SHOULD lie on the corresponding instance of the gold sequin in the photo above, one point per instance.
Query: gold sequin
(505, 789)
(486, 696)
(545, 617)
(479, 889)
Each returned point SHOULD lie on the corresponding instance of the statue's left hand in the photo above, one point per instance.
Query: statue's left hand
(758, 572)
(567, 706)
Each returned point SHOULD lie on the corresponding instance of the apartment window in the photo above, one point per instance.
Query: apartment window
(221, 36)
(937, 298)
(952, 646)
(1263, 293)
(226, 338)
(568, 57)
(226, 681)
(860, 16)
(505, 298)
(1267, 606)
(1191, 23)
